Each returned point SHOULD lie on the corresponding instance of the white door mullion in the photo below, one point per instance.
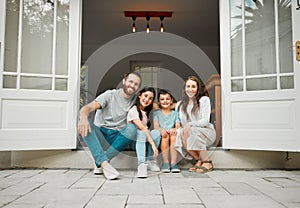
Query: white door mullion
(277, 43)
(19, 54)
(54, 45)
(243, 46)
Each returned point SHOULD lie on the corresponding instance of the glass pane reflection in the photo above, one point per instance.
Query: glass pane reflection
(38, 83)
(236, 85)
(61, 84)
(287, 82)
(267, 83)
(37, 36)
(9, 81)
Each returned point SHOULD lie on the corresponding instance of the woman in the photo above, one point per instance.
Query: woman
(197, 133)
(139, 115)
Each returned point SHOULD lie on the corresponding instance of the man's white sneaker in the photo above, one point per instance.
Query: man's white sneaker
(110, 172)
(98, 171)
(142, 170)
(153, 166)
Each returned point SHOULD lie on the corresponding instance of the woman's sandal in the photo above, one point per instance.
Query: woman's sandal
(195, 167)
(203, 169)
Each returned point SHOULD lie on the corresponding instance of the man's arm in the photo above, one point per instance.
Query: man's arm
(83, 125)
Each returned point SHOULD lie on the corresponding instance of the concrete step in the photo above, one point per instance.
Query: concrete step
(223, 159)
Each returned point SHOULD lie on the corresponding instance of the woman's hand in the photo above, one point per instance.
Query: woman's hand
(155, 150)
(186, 131)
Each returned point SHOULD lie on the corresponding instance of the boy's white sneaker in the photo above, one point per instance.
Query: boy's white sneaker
(142, 170)
(153, 166)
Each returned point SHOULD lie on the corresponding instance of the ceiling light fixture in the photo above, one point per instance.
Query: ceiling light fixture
(161, 23)
(133, 23)
(148, 28)
(148, 15)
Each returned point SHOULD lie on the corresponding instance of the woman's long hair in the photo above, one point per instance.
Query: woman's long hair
(201, 91)
(149, 107)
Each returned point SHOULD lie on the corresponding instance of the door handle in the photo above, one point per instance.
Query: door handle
(297, 46)
(298, 50)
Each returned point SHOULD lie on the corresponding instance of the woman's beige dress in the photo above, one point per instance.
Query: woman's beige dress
(203, 132)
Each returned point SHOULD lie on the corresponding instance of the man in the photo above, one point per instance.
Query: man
(110, 129)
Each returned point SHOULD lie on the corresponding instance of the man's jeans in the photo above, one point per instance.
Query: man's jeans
(114, 141)
(141, 145)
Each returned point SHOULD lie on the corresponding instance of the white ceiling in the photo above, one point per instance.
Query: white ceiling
(104, 20)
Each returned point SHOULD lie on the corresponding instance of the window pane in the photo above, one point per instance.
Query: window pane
(38, 83)
(287, 82)
(268, 83)
(37, 36)
(285, 36)
(11, 36)
(61, 84)
(62, 37)
(236, 38)
(260, 38)
(236, 85)
(149, 74)
(146, 79)
(9, 81)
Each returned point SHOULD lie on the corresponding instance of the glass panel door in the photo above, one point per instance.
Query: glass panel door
(36, 42)
(260, 33)
(260, 74)
(40, 43)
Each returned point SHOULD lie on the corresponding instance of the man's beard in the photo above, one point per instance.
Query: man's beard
(125, 89)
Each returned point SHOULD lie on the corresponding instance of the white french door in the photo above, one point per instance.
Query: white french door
(39, 66)
(260, 74)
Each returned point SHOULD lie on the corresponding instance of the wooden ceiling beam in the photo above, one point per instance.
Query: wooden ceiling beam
(148, 13)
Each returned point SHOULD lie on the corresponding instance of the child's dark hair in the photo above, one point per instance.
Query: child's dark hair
(149, 107)
(164, 92)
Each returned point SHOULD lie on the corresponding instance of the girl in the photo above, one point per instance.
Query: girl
(197, 133)
(167, 122)
(139, 115)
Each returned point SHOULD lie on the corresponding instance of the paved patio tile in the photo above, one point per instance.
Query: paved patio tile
(292, 205)
(59, 197)
(67, 188)
(238, 201)
(180, 196)
(211, 191)
(283, 195)
(135, 186)
(165, 206)
(25, 173)
(145, 199)
(108, 201)
(283, 181)
(7, 182)
(25, 206)
(8, 172)
(21, 188)
(188, 182)
(88, 183)
(239, 188)
(4, 199)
